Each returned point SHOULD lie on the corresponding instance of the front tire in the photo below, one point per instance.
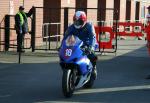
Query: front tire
(68, 83)
(90, 83)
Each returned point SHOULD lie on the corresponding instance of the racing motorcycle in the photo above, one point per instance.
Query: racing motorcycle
(77, 68)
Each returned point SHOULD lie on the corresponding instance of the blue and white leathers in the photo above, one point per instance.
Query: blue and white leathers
(71, 53)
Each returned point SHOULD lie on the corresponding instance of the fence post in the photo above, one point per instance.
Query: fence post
(65, 18)
(7, 32)
(116, 27)
(33, 30)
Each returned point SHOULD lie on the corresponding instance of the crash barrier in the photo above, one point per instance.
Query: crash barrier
(106, 38)
(130, 29)
(147, 30)
(48, 40)
(13, 44)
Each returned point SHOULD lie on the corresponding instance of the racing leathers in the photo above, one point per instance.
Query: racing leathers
(87, 35)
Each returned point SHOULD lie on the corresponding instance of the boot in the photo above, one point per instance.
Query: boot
(93, 58)
(95, 72)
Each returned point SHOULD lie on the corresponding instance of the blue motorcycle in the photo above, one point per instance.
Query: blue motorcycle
(77, 68)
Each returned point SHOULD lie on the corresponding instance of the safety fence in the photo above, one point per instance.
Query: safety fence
(147, 30)
(130, 29)
(51, 34)
(8, 36)
(105, 37)
(48, 35)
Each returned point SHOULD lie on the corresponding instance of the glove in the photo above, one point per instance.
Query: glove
(86, 50)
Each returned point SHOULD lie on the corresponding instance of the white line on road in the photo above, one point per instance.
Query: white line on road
(114, 89)
(4, 96)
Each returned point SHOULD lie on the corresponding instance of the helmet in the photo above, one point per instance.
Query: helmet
(79, 19)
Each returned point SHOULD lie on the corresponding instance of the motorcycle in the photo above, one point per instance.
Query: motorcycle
(77, 68)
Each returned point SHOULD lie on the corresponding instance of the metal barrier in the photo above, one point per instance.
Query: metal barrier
(147, 30)
(47, 42)
(43, 33)
(106, 39)
(48, 37)
(9, 39)
(1, 39)
(130, 29)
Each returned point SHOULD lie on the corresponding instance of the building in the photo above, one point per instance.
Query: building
(46, 12)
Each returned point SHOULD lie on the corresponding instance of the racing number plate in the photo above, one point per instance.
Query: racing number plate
(68, 52)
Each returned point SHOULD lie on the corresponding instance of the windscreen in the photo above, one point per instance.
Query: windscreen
(72, 40)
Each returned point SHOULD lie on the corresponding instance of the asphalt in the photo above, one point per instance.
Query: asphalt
(121, 77)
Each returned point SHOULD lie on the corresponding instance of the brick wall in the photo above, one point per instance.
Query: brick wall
(92, 13)
(109, 13)
(133, 6)
(67, 3)
(39, 17)
(122, 10)
(4, 9)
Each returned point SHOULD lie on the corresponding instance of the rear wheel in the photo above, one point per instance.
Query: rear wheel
(68, 82)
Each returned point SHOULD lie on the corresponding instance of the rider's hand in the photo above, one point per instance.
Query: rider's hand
(86, 50)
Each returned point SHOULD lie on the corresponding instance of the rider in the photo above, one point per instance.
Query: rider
(86, 32)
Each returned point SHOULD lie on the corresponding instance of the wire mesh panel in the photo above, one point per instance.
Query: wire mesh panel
(48, 28)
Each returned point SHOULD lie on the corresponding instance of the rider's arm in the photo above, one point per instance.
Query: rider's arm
(92, 37)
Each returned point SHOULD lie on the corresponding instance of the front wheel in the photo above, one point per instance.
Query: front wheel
(90, 83)
(68, 82)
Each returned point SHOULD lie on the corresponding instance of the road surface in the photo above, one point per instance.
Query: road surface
(121, 79)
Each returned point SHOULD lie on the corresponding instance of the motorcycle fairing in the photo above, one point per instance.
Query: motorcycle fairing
(73, 54)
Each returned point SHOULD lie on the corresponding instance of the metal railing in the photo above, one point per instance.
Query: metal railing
(47, 36)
